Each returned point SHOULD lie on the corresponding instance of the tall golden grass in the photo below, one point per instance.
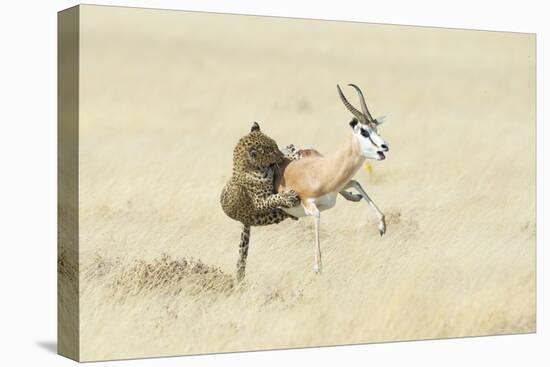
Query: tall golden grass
(166, 95)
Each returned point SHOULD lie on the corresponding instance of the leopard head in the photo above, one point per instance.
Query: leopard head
(257, 150)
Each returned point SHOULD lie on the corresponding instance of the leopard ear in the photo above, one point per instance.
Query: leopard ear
(255, 127)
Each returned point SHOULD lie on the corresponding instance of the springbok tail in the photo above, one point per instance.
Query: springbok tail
(243, 252)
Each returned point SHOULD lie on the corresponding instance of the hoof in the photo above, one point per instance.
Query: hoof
(382, 227)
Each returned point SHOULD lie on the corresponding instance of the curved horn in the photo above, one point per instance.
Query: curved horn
(363, 103)
(348, 105)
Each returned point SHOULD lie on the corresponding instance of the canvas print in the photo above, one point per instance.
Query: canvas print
(236, 183)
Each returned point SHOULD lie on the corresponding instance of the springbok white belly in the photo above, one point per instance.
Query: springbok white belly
(324, 202)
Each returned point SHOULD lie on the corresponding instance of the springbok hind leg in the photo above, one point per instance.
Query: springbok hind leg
(318, 267)
(381, 218)
(316, 214)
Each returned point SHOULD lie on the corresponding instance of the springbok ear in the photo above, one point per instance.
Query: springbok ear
(380, 120)
(255, 127)
(353, 122)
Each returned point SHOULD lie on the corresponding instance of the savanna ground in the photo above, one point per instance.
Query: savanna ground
(166, 95)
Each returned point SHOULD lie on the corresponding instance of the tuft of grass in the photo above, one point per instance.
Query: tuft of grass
(171, 276)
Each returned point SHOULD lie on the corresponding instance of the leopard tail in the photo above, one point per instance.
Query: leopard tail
(243, 252)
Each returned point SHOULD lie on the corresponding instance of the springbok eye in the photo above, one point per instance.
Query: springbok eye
(365, 133)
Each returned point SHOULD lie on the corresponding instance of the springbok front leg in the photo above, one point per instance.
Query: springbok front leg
(312, 210)
(351, 196)
(381, 218)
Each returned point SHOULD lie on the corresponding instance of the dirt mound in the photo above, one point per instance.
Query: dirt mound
(171, 276)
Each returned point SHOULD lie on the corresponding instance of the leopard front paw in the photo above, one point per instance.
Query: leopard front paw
(291, 198)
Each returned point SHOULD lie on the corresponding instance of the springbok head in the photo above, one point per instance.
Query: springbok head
(365, 128)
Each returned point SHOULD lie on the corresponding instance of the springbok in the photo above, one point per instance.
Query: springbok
(318, 179)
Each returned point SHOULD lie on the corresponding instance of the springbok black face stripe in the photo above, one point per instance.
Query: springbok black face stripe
(366, 134)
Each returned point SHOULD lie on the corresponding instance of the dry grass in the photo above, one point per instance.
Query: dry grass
(162, 107)
(164, 275)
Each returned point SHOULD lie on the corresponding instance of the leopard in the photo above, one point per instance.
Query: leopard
(249, 196)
